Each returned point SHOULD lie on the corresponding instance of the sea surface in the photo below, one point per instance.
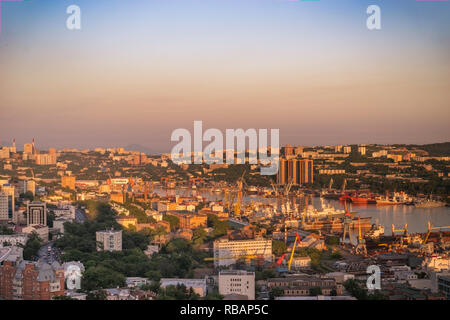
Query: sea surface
(386, 215)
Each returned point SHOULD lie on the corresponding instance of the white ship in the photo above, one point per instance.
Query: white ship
(326, 211)
(375, 232)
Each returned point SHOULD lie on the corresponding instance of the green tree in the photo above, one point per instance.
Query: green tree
(174, 221)
(315, 291)
(101, 277)
(32, 246)
(278, 247)
(96, 295)
(275, 292)
(199, 236)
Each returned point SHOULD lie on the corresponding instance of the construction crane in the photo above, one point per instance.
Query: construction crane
(297, 238)
(280, 259)
(288, 187)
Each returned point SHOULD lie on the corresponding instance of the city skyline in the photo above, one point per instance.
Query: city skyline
(134, 73)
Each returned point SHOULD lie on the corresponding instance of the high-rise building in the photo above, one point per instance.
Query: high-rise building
(347, 149)
(299, 171)
(13, 147)
(46, 159)
(36, 213)
(3, 206)
(338, 148)
(27, 186)
(237, 282)
(68, 182)
(10, 191)
(362, 150)
(28, 148)
(4, 153)
(109, 240)
(282, 173)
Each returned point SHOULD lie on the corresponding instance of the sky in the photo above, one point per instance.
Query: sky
(137, 70)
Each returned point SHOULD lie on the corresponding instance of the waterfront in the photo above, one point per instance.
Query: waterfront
(386, 215)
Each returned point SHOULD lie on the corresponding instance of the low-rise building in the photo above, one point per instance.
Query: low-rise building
(13, 239)
(227, 252)
(41, 230)
(302, 285)
(197, 285)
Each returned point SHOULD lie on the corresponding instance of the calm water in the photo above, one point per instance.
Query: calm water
(416, 218)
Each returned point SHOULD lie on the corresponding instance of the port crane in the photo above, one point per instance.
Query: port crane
(240, 187)
(404, 230)
(347, 226)
(361, 246)
(430, 228)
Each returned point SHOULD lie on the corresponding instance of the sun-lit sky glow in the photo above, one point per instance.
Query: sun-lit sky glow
(139, 69)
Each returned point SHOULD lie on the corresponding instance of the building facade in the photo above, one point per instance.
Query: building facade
(109, 240)
(36, 213)
(299, 171)
(227, 252)
(29, 280)
(237, 282)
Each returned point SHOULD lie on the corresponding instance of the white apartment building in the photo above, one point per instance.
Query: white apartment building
(226, 252)
(237, 282)
(109, 240)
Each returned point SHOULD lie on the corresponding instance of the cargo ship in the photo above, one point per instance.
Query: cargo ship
(430, 204)
(364, 198)
(336, 225)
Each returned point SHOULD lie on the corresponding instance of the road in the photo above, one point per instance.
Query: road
(80, 215)
(47, 253)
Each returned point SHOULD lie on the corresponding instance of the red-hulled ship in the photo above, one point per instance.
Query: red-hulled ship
(362, 198)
